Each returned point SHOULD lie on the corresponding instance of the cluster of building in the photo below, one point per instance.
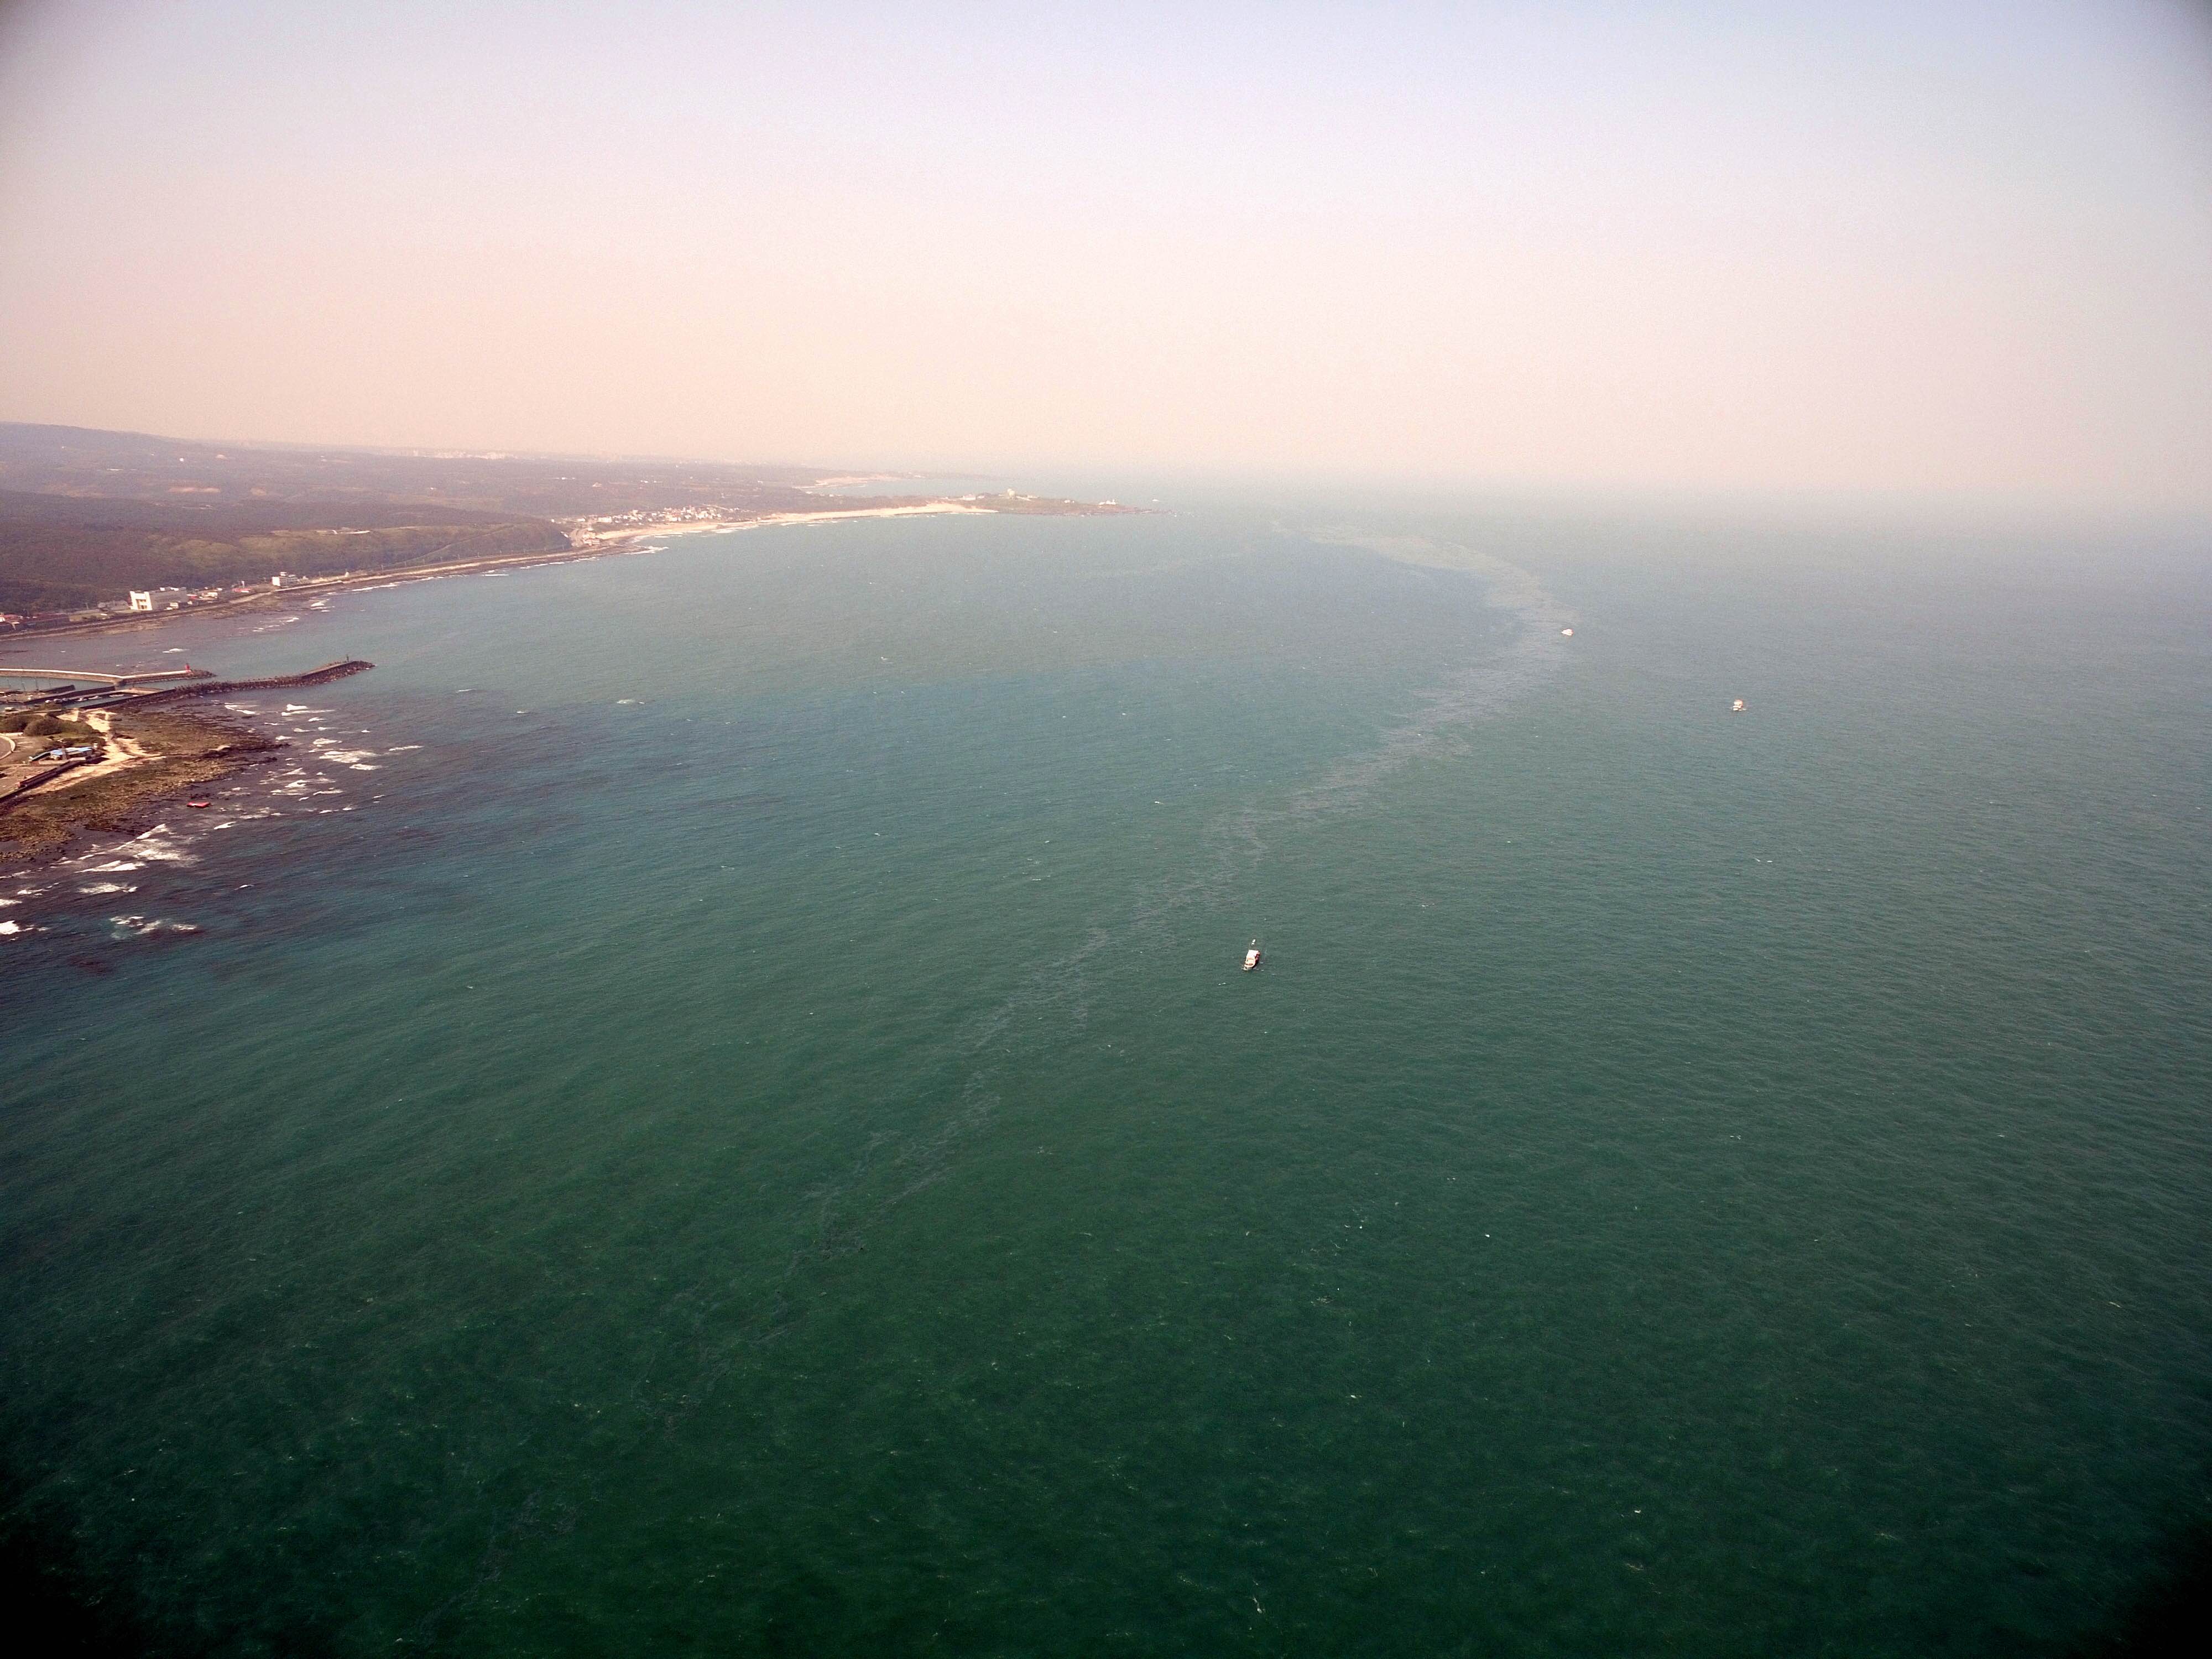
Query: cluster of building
(591, 524)
(141, 599)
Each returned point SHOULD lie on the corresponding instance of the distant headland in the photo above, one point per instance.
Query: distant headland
(102, 530)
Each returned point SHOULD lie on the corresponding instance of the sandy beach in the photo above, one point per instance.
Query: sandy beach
(695, 526)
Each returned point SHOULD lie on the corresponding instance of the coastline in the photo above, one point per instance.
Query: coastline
(691, 526)
(163, 753)
(595, 545)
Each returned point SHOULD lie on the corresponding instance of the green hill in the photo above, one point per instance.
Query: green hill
(62, 551)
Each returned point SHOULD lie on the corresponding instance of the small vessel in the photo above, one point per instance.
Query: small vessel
(1566, 632)
(196, 802)
(1252, 957)
(1737, 707)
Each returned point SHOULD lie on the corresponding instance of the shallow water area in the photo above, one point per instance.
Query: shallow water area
(711, 1094)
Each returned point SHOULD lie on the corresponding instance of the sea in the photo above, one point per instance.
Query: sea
(708, 1104)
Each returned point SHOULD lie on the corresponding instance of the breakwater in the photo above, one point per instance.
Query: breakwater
(328, 671)
(31, 781)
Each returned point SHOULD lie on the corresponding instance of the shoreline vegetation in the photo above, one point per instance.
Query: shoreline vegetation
(101, 530)
(584, 542)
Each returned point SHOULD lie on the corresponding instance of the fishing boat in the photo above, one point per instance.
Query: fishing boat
(1252, 957)
(1737, 707)
(197, 803)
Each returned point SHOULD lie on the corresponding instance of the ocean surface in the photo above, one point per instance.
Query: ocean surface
(707, 1105)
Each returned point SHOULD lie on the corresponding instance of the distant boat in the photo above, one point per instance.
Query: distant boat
(1252, 957)
(1737, 707)
(196, 802)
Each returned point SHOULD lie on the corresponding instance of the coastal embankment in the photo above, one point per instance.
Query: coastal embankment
(323, 676)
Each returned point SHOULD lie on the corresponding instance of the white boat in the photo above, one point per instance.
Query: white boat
(1738, 707)
(1252, 957)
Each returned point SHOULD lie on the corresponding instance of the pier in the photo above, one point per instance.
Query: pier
(206, 684)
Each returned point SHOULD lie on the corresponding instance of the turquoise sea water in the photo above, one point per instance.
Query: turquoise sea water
(726, 1119)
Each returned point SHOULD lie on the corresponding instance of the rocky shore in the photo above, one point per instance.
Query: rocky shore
(176, 754)
(154, 754)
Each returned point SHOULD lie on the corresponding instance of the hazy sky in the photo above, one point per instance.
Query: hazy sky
(1926, 248)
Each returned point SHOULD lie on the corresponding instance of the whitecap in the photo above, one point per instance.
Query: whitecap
(99, 887)
(151, 845)
(140, 927)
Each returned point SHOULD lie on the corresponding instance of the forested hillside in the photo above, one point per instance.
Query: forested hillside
(67, 460)
(61, 551)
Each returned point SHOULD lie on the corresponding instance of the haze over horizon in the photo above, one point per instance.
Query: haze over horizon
(1956, 252)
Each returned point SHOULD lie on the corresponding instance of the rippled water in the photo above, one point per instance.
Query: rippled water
(708, 1101)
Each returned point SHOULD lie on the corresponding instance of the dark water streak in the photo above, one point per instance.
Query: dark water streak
(1825, 1148)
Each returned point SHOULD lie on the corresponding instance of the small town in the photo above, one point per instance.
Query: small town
(154, 599)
